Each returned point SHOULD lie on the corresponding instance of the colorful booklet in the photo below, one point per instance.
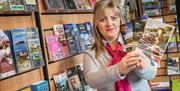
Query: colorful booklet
(59, 32)
(173, 66)
(152, 41)
(171, 6)
(175, 85)
(31, 5)
(60, 81)
(7, 65)
(54, 49)
(34, 47)
(16, 5)
(20, 49)
(40, 86)
(4, 5)
(74, 81)
(71, 38)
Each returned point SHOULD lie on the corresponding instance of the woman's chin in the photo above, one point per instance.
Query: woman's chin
(112, 38)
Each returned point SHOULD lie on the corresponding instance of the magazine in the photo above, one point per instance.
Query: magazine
(173, 66)
(7, 65)
(152, 41)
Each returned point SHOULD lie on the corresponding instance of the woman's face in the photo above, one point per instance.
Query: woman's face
(109, 25)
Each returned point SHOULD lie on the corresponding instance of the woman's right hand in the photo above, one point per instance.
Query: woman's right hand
(128, 63)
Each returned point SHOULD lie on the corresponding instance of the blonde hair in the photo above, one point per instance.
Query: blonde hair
(99, 11)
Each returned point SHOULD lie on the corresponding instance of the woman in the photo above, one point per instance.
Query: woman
(107, 66)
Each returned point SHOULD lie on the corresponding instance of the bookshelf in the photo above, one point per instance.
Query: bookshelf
(53, 17)
(10, 20)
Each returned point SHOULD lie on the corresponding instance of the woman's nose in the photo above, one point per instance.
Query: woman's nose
(109, 22)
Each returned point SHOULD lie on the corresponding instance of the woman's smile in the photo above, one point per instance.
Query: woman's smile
(110, 29)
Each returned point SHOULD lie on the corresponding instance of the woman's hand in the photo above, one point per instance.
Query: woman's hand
(129, 62)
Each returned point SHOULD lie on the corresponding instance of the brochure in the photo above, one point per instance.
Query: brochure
(150, 42)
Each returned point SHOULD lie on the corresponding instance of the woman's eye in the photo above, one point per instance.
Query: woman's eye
(113, 18)
(102, 20)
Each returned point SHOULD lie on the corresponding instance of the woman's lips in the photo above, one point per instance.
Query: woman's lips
(110, 29)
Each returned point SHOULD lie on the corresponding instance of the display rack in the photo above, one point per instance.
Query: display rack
(11, 20)
(53, 17)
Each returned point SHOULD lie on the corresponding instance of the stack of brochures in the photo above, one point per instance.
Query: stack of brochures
(151, 41)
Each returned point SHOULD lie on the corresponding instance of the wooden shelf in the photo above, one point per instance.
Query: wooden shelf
(160, 79)
(20, 73)
(171, 55)
(65, 58)
(156, 88)
(14, 13)
(22, 80)
(70, 11)
(162, 72)
(168, 14)
(64, 64)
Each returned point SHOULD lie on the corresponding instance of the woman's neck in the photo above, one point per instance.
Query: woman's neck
(113, 44)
